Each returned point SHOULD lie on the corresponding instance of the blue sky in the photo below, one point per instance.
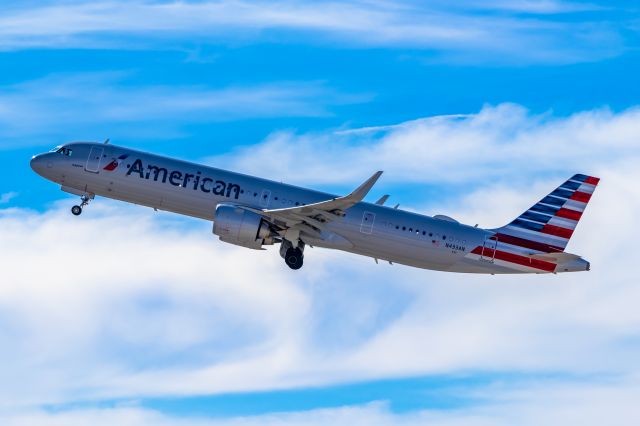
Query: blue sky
(473, 110)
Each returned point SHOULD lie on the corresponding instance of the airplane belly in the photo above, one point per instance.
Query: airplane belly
(123, 190)
(190, 205)
(400, 250)
(441, 248)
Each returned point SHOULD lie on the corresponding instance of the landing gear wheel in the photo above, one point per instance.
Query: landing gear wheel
(293, 258)
(84, 201)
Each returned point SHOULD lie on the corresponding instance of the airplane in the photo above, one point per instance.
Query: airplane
(253, 212)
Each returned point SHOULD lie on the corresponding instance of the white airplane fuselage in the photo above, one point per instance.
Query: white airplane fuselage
(366, 229)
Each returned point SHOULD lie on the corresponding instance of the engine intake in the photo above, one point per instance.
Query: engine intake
(237, 225)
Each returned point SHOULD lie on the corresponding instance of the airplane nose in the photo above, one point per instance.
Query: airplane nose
(36, 163)
(39, 163)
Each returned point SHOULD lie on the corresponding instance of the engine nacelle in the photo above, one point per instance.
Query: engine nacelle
(237, 225)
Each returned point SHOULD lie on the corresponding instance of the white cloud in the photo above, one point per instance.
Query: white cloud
(93, 102)
(549, 403)
(503, 142)
(534, 6)
(122, 303)
(143, 306)
(504, 31)
(7, 197)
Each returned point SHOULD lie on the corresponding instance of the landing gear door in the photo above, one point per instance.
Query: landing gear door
(366, 227)
(94, 159)
(489, 249)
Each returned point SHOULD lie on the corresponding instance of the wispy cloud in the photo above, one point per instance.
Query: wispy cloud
(7, 197)
(533, 7)
(84, 102)
(162, 309)
(503, 31)
(551, 403)
(150, 322)
(451, 149)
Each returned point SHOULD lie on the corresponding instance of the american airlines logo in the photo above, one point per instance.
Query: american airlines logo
(185, 180)
(115, 163)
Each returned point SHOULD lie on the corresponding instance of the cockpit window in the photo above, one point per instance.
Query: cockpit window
(64, 151)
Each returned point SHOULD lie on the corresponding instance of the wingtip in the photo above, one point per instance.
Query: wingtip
(374, 177)
(363, 189)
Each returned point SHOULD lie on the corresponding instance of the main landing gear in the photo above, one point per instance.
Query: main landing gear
(77, 210)
(293, 256)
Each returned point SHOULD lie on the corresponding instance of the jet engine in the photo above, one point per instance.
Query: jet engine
(237, 225)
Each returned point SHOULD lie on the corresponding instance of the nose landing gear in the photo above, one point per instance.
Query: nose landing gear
(77, 210)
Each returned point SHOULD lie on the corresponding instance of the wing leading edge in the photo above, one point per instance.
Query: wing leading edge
(333, 206)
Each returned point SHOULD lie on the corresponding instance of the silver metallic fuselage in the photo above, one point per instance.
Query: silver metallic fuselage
(368, 229)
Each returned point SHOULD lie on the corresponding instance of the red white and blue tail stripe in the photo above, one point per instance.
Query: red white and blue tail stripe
(547, 226)
(535, 240)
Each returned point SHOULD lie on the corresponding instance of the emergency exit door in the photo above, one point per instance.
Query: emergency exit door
(366, 227)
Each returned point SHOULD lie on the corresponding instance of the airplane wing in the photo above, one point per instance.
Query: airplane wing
(311, 218)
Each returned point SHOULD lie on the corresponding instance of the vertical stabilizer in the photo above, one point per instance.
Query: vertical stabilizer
(548, 225)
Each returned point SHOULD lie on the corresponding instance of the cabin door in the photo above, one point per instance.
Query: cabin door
(94, 159)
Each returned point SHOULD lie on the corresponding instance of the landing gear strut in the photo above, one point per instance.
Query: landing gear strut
(77, 210)
(293, 256)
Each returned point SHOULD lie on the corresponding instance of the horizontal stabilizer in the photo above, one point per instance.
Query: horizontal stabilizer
(560, 257)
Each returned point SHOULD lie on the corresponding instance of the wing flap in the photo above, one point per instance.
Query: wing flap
(560, 257)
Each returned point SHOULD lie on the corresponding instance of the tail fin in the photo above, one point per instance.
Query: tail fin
(547, 226)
